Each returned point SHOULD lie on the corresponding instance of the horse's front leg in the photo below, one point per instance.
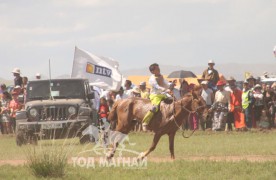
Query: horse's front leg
(171, 142)
(153, 146)
(111, 153)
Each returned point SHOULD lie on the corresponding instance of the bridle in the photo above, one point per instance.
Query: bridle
(191, 112)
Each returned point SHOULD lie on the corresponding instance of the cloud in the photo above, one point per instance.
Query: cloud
(193, 30)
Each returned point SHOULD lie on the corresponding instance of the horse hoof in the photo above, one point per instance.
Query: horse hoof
(141, 156)
(172, 158)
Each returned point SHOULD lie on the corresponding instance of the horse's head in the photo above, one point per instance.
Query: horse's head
(198, 104)
(194, 103)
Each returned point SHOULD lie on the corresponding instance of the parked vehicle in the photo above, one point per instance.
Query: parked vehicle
(58, 108)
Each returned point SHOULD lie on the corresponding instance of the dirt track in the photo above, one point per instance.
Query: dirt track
(251, 158)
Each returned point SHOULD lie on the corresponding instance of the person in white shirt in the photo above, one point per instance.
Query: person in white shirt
(121, 94)
(208, 96)
(128, 88)
(220, 106)
(159, 87)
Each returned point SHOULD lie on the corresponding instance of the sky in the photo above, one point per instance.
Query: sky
(136, 33)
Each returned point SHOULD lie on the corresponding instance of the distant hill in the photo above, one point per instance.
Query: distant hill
(232, 69)
(7, 82)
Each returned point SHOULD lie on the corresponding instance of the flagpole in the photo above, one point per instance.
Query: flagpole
(50, 80)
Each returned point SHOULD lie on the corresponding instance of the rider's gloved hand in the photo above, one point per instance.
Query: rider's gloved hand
(163, 89)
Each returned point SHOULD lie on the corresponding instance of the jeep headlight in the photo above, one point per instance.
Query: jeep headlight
(72, 110)
(33, 112)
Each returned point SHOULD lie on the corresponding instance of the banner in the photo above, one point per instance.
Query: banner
(100, 71)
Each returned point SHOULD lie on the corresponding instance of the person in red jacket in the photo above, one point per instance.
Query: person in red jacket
(103, 109)
(103, 122)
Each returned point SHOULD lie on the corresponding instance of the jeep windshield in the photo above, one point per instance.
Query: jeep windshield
(60, 89)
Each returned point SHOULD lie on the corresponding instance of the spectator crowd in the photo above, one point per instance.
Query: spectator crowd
(228, 106)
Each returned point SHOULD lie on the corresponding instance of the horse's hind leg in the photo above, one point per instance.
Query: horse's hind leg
(171, 142)
(153, 146)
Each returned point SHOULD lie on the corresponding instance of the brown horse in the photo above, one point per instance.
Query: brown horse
(167, 121)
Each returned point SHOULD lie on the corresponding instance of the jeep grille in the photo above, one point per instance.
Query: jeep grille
(53, 113)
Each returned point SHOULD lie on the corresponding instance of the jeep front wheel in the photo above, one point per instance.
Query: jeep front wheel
(20, 138)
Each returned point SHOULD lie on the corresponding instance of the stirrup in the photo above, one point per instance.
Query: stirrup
(145, 127)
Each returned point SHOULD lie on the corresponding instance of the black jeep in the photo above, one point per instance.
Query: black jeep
(57, 108)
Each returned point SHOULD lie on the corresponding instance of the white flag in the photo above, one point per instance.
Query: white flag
(274, 51)
(100, 71)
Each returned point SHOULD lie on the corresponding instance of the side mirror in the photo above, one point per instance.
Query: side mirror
(21, 115)
(91, 95)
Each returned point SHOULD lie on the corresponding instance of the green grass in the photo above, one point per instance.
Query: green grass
(172, 170)
(201, 144)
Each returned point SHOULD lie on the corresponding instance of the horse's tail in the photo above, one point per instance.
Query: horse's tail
(113, 113)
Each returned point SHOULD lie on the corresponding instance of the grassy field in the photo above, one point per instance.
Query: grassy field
(206, 155)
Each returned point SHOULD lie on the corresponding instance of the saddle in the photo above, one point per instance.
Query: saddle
(167, 109)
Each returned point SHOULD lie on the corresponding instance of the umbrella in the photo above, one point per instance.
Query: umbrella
(181, 74)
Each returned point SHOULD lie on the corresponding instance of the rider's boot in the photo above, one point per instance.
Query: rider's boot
(146, 120)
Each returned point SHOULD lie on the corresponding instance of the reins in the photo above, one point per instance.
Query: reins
(190, 112)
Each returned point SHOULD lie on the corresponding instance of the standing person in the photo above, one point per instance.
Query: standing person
(251, 81)
(136, 92)
(236, 107)
(208, 96)
(174, 92)
(38, 76)
(121, 94)
(24, 81)
(159, 86)
(103, 109)
(220, 106)
(4, 113)
(247, 103)
(184, 87)
(269, 105)
(3, 88)
(231, 84)
(103, 121)
(128, 88)
(18, 81)
(258, 103)
(143, 90)
(211, 75)
(14, 106)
